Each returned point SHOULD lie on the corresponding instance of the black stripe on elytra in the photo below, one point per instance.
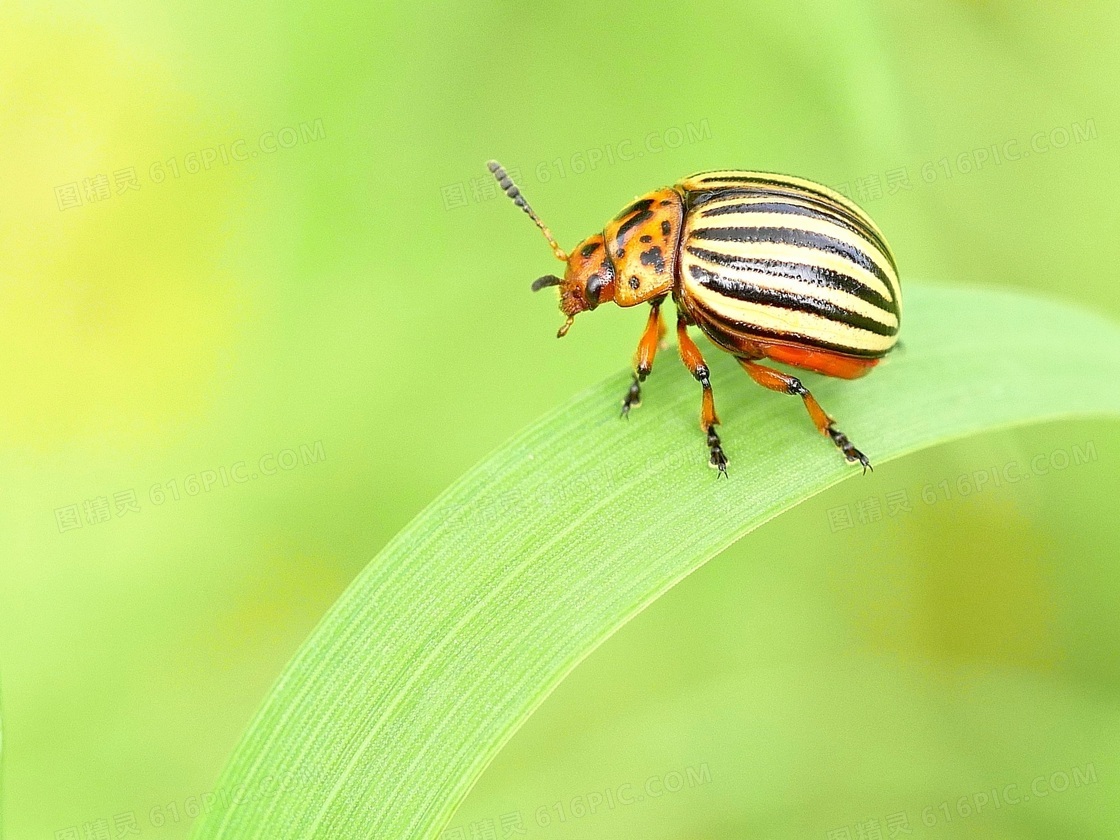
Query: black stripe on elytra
(781, 190)
(796, 237)
(742, 290)
(734, 334)
(770, 181)
(698, 198)
(823, 214)
(813, 275)
(789, 207)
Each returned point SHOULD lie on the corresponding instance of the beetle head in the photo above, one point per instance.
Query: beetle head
(589, 277)
(588, 280)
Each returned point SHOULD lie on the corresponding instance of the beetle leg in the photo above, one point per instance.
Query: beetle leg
(690, 355)
(786, 384)
(643, 358)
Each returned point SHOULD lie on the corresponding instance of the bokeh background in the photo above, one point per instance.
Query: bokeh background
(259, 304)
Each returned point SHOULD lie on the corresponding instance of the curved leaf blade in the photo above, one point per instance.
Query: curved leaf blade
(465, 622)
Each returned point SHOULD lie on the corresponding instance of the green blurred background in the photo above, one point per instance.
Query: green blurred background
(259, 304)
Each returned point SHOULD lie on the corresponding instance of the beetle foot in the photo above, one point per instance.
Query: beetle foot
(633, 398)
(717, 460)
(852, 454)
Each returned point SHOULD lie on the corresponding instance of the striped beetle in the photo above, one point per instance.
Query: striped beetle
(767, 266)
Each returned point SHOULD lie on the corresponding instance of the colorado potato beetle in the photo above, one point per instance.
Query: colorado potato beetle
(767, 266)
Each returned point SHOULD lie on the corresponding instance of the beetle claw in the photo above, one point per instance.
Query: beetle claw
(852, 454)
(717, 460)
(633, 398)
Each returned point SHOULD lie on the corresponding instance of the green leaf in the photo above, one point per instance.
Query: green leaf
(1, 771)
(464, 623)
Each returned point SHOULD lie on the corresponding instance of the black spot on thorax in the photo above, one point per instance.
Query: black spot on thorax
(653, 257)
(639, 206)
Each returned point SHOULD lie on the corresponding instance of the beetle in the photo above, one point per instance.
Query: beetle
(768, 266)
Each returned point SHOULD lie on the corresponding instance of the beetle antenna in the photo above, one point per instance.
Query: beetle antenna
(544, 282)
(504, 181)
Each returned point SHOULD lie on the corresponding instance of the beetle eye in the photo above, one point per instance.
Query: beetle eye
(595, 285)
(599, 283)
